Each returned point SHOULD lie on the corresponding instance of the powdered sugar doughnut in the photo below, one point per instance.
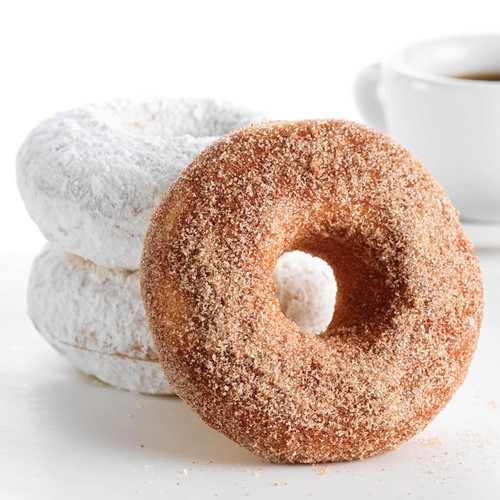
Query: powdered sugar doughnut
(91, 177)
(94, 315)
(305, 288)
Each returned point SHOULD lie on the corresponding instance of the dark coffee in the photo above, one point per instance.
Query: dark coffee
(487, 77)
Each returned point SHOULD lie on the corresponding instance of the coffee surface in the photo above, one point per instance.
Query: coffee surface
(489, 77)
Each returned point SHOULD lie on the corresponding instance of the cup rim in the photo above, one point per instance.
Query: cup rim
(396, 62)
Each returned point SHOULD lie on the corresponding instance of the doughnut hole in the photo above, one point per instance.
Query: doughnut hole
(177, 117)
(305, 289)
(368, 293)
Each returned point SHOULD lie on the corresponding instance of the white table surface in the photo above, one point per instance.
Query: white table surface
(66, 435)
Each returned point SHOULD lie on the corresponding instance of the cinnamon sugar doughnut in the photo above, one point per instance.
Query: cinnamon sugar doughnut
(91, 177)
(94, 315)
(409, 291)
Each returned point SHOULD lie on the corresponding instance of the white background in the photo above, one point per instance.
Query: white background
(291, 59)
(64, 435)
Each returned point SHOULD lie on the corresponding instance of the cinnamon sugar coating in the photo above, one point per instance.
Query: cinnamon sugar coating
(408, 306)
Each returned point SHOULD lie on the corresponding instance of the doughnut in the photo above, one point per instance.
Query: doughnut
(305, 287)
(94, 316)
(91, 177)
(408, 305)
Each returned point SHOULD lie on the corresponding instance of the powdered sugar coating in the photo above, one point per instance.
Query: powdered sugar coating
(408, 304)
(91, 177)
(305, 288)
(94, 315)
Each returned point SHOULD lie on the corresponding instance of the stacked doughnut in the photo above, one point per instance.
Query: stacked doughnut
(91, 179)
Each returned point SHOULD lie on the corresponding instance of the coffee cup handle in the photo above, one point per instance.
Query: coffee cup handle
(367, 96)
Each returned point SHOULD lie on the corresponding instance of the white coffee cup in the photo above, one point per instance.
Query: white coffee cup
(451, 124)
